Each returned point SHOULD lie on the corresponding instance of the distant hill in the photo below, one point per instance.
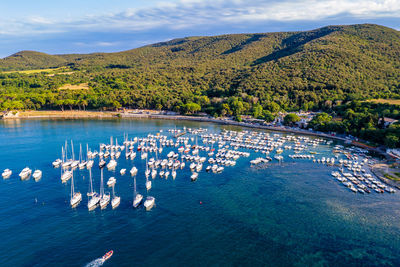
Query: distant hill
(27, 60)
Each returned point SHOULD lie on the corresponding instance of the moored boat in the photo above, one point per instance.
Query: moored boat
(6, 173)
(149, 203)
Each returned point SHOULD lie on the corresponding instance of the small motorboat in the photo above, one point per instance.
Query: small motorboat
(57, 163)
(137, 201)
(149, 203)
(37, 174)
(133, 171)
(194, 176)
(107, 255)
(102, 163)
(111, 181)
(6, 173)
(25, 173)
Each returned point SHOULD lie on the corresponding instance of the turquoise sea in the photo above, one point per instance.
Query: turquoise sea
(289, 214)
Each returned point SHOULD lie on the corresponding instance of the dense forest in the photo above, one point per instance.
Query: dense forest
(326, 69)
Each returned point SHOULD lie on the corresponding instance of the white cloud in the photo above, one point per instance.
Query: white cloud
(198, 13)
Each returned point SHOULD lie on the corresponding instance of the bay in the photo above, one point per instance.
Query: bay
(289, 214)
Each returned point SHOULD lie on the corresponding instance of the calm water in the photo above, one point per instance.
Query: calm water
(293, 214)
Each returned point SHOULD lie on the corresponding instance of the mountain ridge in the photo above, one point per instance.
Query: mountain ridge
(290, 42)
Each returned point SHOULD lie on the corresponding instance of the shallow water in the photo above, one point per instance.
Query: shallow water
(289, 214)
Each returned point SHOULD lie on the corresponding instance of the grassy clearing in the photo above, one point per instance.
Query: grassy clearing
(82, 86)
(33, 71)
(386, 101)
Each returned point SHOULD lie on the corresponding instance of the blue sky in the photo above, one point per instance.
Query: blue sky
(84, 26)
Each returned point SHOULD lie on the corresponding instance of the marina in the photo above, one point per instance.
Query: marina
(269, 175)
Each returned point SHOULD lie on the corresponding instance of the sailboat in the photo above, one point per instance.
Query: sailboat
(133, 171)
(65, 162)
(82, 163)
(76, 197)
(148, 183)
(104, 198)
(89, 161)
(95, 198)
(111, 181)
(116, 200)
(112, 163)
(137, 198)
(74, 162)
(65, 175)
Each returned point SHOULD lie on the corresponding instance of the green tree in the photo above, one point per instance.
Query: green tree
(290, 119)
(190, 108)
(392, 140)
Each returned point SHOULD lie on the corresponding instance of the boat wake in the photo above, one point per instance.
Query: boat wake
(95, 263)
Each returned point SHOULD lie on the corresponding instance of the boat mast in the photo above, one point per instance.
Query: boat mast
(101, 184)
(66, 151)
(111, 147)
(72, 149)
(72, 185)
(91, 183)
(134, 187)
(80, 153)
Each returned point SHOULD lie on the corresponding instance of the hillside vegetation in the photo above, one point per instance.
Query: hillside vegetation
(234, 74)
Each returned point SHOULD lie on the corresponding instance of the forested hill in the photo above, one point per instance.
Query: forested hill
(292, 69)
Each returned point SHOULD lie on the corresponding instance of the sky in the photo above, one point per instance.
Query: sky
(87, 26)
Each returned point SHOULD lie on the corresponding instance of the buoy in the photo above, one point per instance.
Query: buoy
(201, 202)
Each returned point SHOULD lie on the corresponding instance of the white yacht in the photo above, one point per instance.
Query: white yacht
(102, 163)
(194, 176)
(37, 174)
(104, 198)
(66, 176)
(192, 166)
(122, 171)
(199, 166)
(148, 184)
(137, 197)
(144, 155)
(6, 173)
(149, 203)
(76, 197)
(133, 171)
(57, 163)
(25, 173)
(111, 182)
(112, 164)
(115, 200)
(166, 174)
(153, 173)
(173, 174)
(89, 164)
(94, 201)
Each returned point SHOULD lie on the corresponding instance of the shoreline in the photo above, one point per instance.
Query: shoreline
(114, 114)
